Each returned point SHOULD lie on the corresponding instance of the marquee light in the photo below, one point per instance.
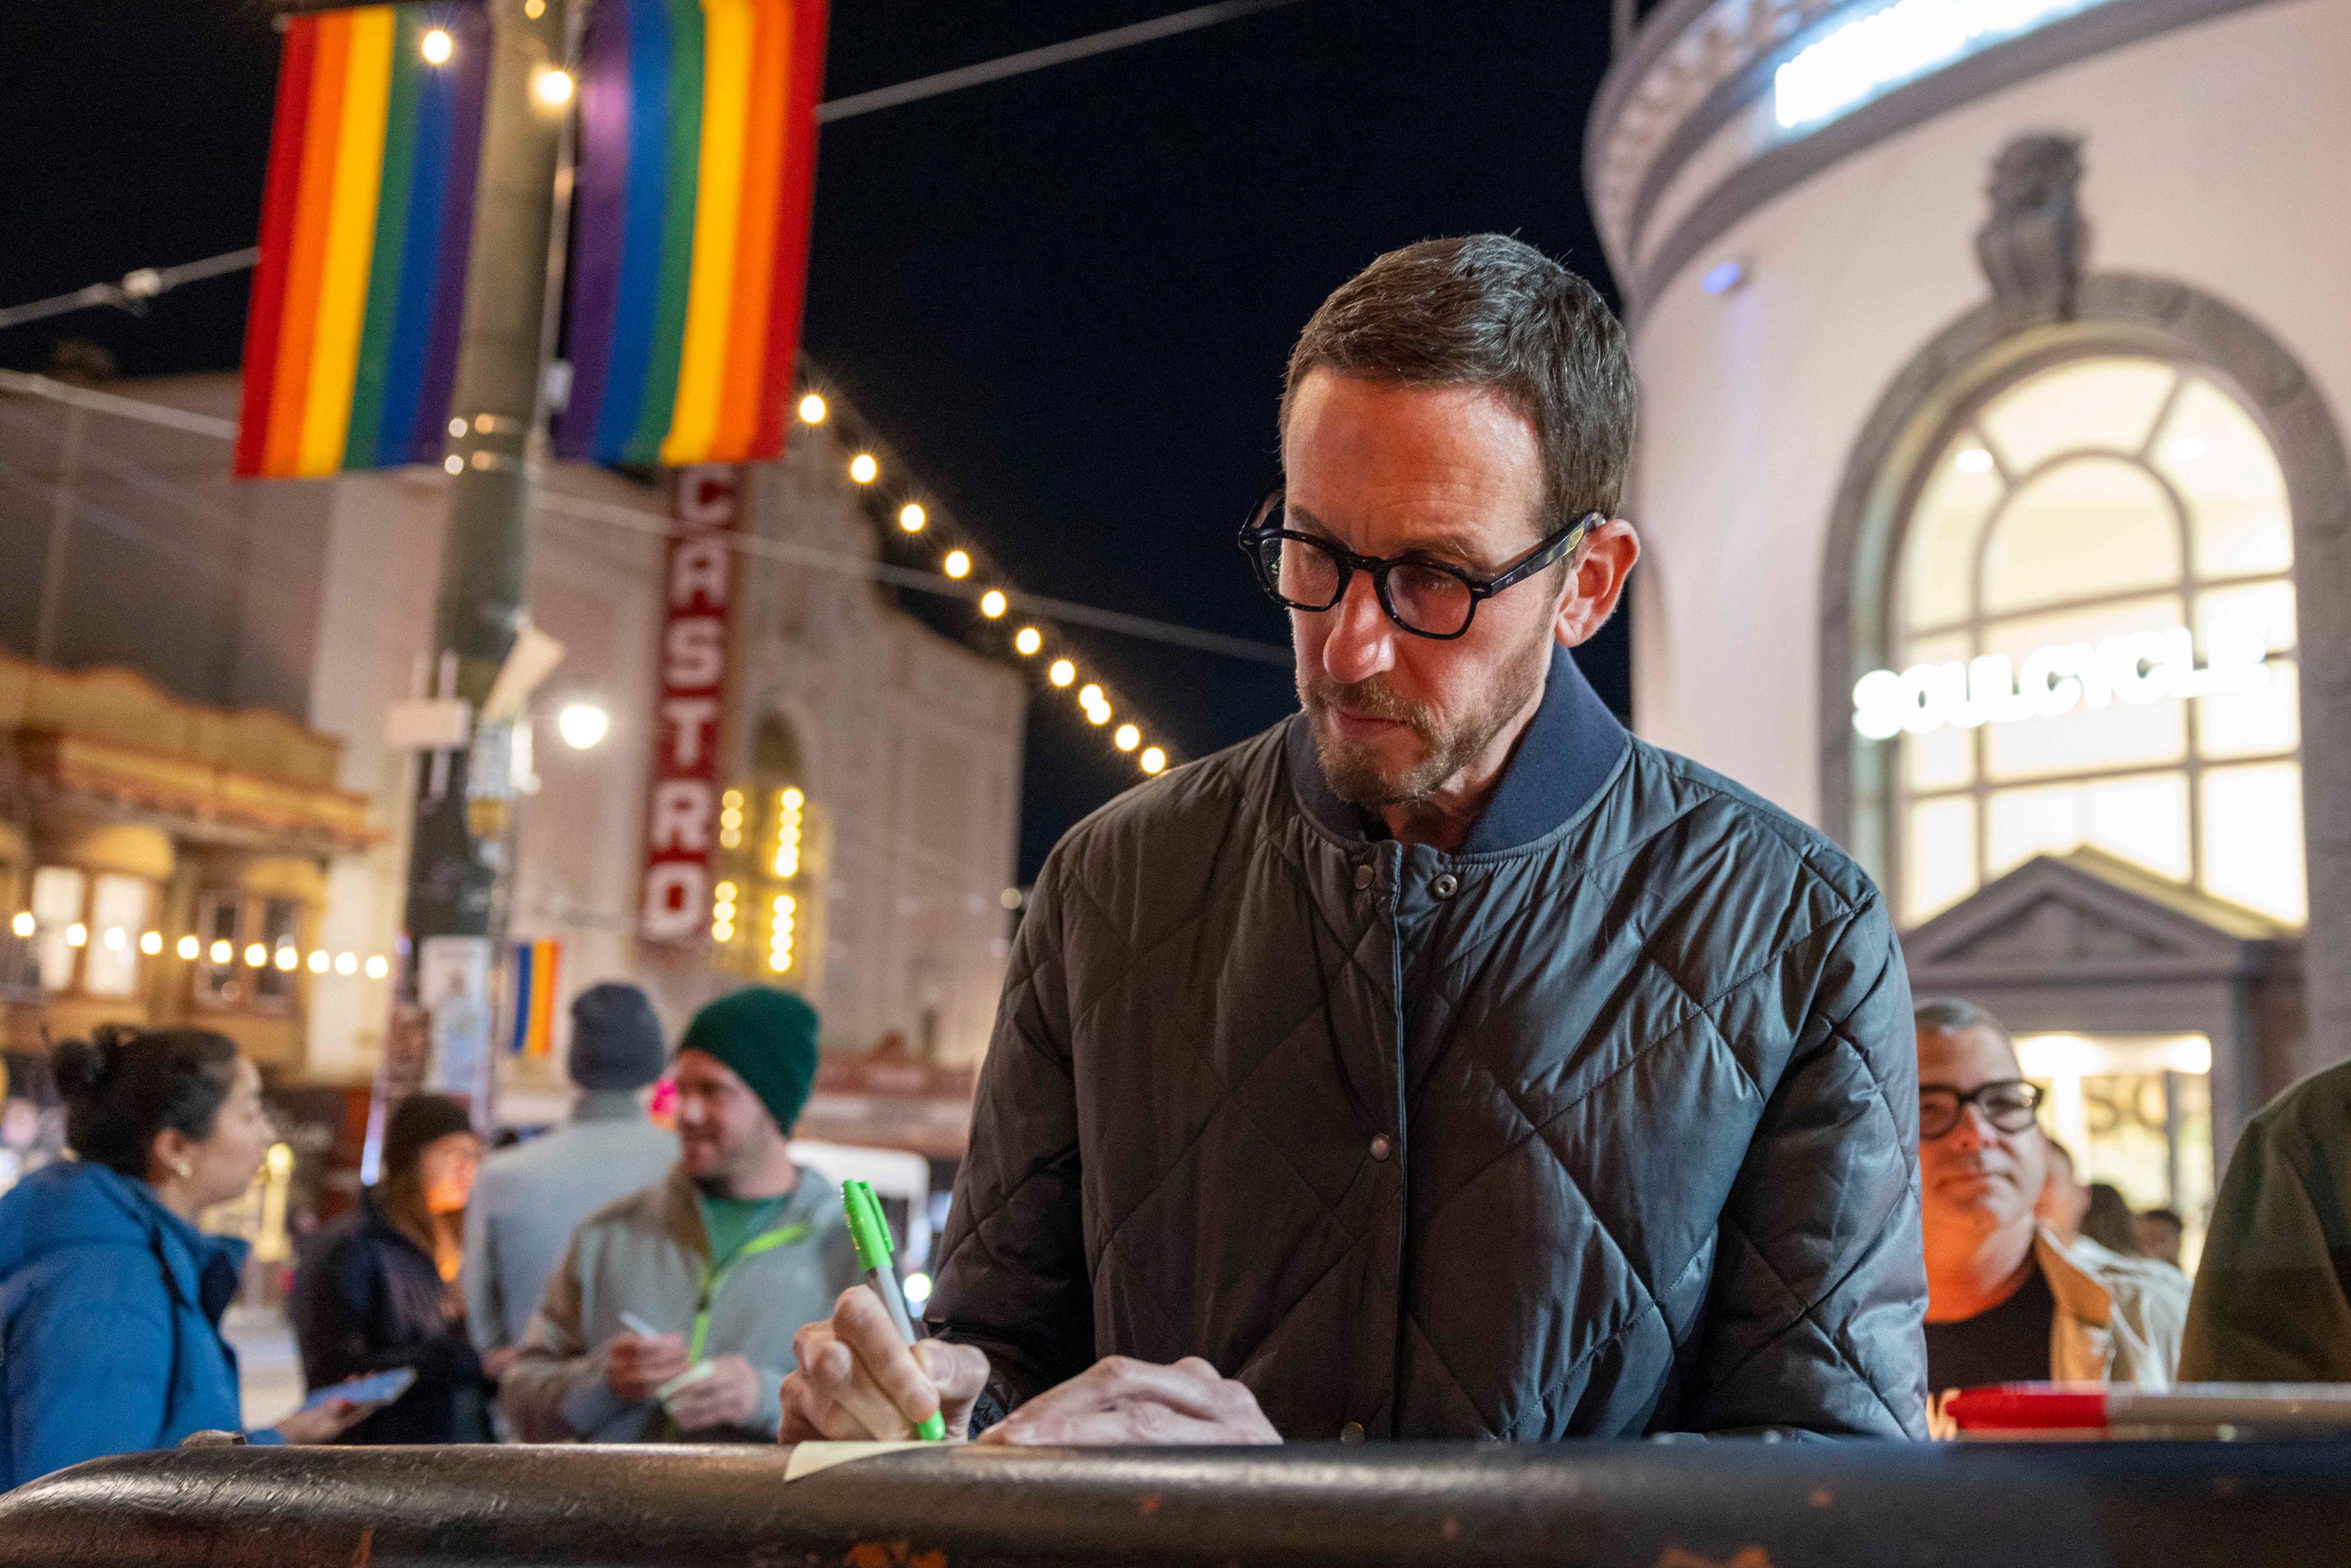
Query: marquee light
(2136, 669)
(24, 925)
(1895, 44)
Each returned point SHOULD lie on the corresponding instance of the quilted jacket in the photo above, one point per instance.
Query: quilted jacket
(1603, 1124)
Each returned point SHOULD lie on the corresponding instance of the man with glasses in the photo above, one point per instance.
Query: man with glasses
(2007, 1301)
(1444, 1063)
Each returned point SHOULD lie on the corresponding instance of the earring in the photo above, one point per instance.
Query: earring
(183, 1169)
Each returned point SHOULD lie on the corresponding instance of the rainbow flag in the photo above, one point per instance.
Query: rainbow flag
(534, 993)
(350, 344)
(698, 167)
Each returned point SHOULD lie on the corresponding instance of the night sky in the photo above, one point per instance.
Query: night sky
(1065, 299)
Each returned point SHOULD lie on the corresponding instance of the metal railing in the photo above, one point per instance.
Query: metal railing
(1731, 1504)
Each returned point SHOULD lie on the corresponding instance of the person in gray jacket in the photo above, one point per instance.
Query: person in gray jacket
(529, 1199)
(708, 1273)
(1445, 1062)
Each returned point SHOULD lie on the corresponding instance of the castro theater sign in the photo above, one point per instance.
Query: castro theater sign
(2059, 679)
(682, 808)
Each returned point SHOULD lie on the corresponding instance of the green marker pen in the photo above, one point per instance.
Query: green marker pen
(870, 1231)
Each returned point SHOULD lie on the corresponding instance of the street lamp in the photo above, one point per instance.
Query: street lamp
(582, 725)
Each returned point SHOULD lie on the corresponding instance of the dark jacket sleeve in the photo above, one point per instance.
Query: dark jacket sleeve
(344, 1330)
(2270, 1304)
(1820, 1279)
(1012, 1276)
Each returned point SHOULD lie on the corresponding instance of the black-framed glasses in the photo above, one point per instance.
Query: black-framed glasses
(2007, 1103)
(1427, 597)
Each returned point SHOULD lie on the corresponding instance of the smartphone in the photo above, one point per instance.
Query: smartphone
(375, 1389)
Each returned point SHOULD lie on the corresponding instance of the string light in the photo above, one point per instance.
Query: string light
(256, 956)
(555, 87)
(321, 961)
(1153, 760)
(730, 822)
(116, 939)
(1028, 640)
(812, 410)
(77, 935)
(151, 942)
(1127, 738)
(347, 963)
(23, 925)
(863, 468)
(223, 951)
(911, 516)
(378, 967)
(1089, 694)
(957, 564)
(992, 605)
(787, 831)
(779, 937)
(722, 914)
(289, 959)
(1062, 672)
(436, 46)
(188, 948)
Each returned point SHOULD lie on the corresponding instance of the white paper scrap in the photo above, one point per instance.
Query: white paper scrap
(807, 1458)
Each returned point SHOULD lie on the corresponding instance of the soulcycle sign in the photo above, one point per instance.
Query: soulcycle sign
(1891, 44)
(2058, 679)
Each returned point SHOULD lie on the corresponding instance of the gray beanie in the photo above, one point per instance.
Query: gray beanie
(616, 1039)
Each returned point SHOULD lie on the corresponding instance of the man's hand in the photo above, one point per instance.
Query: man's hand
(498, 1363)
(858, 1379)
(636, 1364)
(1118, 1401)
(729, 1396)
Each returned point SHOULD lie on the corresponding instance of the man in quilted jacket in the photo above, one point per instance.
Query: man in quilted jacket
(1442, 1063)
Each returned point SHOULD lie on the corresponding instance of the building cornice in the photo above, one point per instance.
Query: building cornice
(1698, 64)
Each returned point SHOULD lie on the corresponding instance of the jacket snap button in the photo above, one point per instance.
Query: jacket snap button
(1364, 876)
(1353, 1432)
(1445, 885)
(1380, 1145)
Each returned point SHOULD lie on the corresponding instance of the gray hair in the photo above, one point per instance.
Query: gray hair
(1950, 1015)
(1490, 311)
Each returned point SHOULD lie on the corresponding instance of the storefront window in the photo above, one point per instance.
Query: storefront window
(249, 957)
(2098, 643)
(2134, 1111)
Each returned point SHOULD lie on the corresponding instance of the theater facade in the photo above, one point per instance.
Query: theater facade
(1994, 494)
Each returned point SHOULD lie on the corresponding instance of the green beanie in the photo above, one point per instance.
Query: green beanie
(768, 1038)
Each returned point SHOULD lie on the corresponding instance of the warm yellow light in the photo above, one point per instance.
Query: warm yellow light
(378, 967)
(223, 951)
(582, 725)
(732, 799)
(77, 935)
(779, 962)
(812, 410)
(289, 959)
(793, 800)
(1098, 714)
(116, 938)
(1127, 738)
(957, 564)
(321, 961)
(991, 604)
(256, 955)
(1153, 760)
(911, 516)
(281, 1161)
(534, 9)
(151, 942)
(1062, 672)
(437, 47)
(1028, 639)
(347, 963)
(863, 468)
(554, 88)
(725, 892)
(188, 948)
(23, 925)
(1089, 694)
(722, 930)
(453, 464)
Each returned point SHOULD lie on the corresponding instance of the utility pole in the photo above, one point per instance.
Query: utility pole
(464, 799)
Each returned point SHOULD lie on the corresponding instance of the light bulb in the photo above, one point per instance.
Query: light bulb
(77, 935)
(991, 604)
(256, 955)
(582, 725)
(1028, 639)
(554, 88)
(1062, 672)
(812, 410)
(23, 925)
(863, 468)
(378, 967)
(957, 564)
(223, 951)
(436, 46)
(910, 517)
(188, 948)
(116, 938)
(1127, 738)
(1153, 760)
(347, 963)
(151, 942)
(321, 961)
(1089, 694)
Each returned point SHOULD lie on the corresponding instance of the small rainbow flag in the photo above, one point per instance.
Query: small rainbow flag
(350, 345)
(534, 993)
(696, 172)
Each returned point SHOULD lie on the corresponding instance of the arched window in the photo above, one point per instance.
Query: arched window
(2094, 631)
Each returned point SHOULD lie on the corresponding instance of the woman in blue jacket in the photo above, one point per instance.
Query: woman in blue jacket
(111, 1298)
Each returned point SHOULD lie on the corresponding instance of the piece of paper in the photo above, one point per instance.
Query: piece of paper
(807, 1458)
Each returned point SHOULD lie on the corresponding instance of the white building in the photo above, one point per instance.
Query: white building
(311, 602)
(1989, 343)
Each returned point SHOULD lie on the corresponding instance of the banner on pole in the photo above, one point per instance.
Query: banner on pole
(697, 169)
(535, 966)
(351, 346)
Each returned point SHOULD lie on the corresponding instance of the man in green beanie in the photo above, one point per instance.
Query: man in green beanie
(671, 1317)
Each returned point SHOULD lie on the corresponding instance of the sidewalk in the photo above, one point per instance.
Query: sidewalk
(269, 1372)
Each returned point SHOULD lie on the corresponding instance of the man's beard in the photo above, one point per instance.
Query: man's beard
(1355, 772)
